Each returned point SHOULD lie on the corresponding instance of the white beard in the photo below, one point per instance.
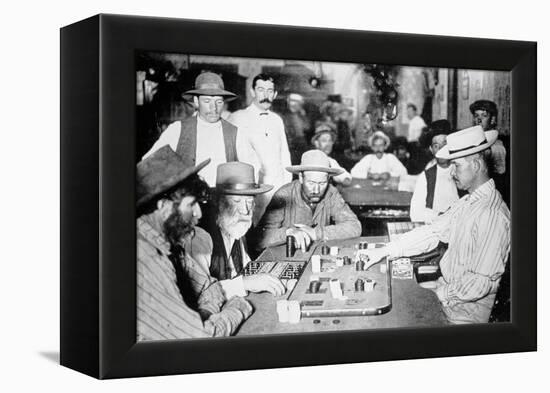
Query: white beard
(235, 226)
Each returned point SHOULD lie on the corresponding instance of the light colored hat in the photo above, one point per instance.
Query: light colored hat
(237, 178)
(379, 134)
(295, 97)
(209, 84)
(321, 129)
(160, 172)
(466, 142)
(315, 161)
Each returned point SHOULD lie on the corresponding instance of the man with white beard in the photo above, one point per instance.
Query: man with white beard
(221, 248)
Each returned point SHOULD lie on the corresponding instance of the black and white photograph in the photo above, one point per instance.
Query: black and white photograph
(282, 196)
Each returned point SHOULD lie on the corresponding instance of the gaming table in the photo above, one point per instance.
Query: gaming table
(411, 305)
(367, 192)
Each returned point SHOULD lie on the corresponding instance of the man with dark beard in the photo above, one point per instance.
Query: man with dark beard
(309, 209)
(223, 250)
(168, 195)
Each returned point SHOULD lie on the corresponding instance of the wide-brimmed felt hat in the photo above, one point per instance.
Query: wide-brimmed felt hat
(321, 129)
(439, 127)
(314, 161)
(237, 178)
(162, 171)
(209, 84)
(379, 134)
(466, 142)
(485, 105)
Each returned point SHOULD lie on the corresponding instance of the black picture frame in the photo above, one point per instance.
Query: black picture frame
(98, 243)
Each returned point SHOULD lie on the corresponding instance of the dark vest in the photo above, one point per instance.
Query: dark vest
(431, 176)
(187, 144)
(219, 261)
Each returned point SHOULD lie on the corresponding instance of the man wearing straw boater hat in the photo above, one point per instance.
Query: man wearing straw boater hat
(223, 249)
(205, 135)
(309, 208)
(476, 228)
(176, 297)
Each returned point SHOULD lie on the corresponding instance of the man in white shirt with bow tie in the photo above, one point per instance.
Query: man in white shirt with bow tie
(264, 144)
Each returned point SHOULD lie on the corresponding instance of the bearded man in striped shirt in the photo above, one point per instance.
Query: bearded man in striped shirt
(176, 297)
(476, 229)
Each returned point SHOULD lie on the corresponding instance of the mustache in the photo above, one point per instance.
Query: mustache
(266, 100)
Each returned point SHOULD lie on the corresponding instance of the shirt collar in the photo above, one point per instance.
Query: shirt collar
(483, 191)
(204, 124)
(256, 110)
(149, 228)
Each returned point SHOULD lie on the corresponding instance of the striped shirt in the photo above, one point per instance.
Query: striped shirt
(161, 311)
(477, 229)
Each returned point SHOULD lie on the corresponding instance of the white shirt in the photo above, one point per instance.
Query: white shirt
(264, 144)
(200, 248)
(341, 177)
(415, 128)
(370, 163)
(445, 195)
(210, 144)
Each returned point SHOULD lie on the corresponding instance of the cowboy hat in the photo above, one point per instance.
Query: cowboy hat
(237, 178)
(160, 172)
(466, 142)
(209, 84)
(314, 161)
(321, 129)
(379, 134)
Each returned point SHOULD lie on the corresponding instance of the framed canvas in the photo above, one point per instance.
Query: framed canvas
(107, 63)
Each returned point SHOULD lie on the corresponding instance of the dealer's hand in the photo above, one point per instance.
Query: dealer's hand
(375, 255)
(264, 282)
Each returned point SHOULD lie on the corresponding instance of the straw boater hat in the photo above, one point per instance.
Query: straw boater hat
(160, 172)
(237, 178)
(209, 84)
(314, 161)
(321, 129)
(466, 142)
(378, 134)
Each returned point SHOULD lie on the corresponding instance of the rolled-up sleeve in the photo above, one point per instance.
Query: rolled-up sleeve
(489, 260)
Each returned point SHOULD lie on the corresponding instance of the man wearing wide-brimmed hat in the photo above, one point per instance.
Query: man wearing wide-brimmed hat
(223, 250)
(476, 228)
(379, 165)
(309, 208)
(323, 140)
(205, 135)
(176, 297)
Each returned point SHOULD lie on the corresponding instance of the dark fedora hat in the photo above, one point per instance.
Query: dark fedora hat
(209, 84)
(237, 178)
(440, 127)
(485, 105)
(160, 172)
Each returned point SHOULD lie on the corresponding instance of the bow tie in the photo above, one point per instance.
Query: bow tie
(264, 113)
